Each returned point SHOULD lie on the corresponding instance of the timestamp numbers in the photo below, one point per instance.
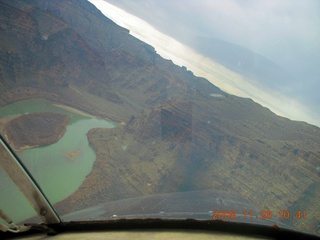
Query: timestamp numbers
(285, 214)
(264, 214)
(232, 214)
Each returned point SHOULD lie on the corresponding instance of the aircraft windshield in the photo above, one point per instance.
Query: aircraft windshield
(163, 109)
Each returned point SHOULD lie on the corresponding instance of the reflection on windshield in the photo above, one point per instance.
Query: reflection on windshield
(14, 202)
(110, 129)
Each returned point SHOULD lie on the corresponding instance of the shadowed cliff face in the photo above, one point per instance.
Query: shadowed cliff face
(180, 133)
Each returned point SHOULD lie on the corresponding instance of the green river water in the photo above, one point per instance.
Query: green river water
(59, 168)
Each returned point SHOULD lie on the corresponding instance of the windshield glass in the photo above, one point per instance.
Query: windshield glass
(165, 109)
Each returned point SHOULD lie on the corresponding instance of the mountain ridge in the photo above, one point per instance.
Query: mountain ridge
(256, 67)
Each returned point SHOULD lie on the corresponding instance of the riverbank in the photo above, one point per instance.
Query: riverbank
(69, 160)
(73, 110)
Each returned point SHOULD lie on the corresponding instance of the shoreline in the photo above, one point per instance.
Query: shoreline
(73, 110)
(15, 148)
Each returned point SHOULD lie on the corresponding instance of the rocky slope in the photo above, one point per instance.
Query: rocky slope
(207, 143)
(67, 51)
(181, 132)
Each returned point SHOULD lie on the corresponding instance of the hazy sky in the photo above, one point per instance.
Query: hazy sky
(285, 31)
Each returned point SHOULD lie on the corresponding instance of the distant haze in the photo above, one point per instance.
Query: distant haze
(286, 32)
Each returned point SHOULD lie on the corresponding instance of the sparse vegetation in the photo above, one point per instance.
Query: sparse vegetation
(35, 129)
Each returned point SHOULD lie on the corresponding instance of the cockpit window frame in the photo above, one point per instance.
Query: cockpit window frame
(27, 185)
